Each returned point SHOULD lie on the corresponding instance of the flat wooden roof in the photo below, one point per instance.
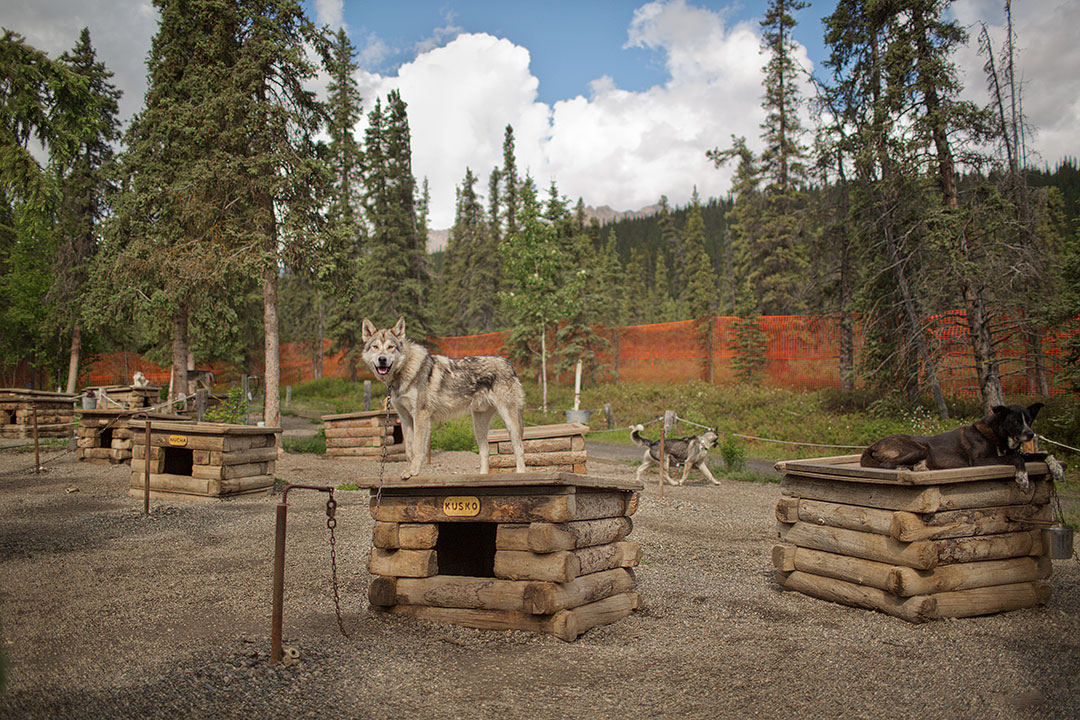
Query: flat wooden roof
(141, 412)
(204, 428)
(26, 393)
(497, 480)
(847, 468)
(358, 415)
(540, 431)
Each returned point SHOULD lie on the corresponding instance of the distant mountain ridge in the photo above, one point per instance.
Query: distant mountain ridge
(604, 214)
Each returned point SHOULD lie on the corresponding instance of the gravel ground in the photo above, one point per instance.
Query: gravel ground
(105, 612)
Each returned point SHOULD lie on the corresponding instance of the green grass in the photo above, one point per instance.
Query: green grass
(316, 444)
(330, 396)
(829, 417)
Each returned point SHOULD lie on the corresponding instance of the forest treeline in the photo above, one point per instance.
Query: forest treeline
(238, 210)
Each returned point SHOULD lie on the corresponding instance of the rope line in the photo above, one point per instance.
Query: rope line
(792, 442)
(1067, 447)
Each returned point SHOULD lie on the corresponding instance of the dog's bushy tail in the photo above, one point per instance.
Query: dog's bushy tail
(635, 434)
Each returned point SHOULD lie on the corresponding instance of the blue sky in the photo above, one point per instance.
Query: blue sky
(614, 100)
(571, 42)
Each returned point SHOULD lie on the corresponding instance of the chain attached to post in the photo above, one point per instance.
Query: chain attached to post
(331, 523)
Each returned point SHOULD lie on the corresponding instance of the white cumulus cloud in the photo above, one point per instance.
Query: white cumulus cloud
(616, 147)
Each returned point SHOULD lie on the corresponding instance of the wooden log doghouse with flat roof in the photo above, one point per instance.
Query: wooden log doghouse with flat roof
(190, 460)
(538, 551)
(555, 448)
(919, 545)
(20, 408)
(105, 437)
(365, 434)
(118, 397)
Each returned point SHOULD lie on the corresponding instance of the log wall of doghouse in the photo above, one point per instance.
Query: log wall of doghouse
(916, 545)
(112, 397)
(105, 437)
(366, 434)
(542, 552)
(556, 448)
(18, 406)
(190, 460)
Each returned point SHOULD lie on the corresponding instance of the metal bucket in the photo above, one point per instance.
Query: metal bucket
(578, 416)
(1058, 542)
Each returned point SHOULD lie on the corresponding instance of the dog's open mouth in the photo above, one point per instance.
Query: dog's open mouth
(382, 367)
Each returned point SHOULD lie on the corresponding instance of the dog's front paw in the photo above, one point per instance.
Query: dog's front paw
(408, 473)
(1022, 480)
(1057, 471)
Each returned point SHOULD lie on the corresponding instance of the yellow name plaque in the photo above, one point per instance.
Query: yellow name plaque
(461, 506)
(178, 440)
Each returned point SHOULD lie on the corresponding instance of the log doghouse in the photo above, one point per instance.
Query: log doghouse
(916, 545)
(538, 551)
(55, 413)
(555, 448)
(190, 460)
(365, 434)
(113, 397)
(105, 437)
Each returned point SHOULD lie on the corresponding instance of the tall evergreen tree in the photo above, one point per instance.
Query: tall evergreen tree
(397, 252)
(46, 101)
(511, 183)
(537, 295)
(84, 184)
(173, 223)
(340, 273)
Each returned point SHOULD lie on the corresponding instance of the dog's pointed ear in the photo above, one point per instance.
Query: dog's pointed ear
(367, 329)
(1034, 409)
(399, 327)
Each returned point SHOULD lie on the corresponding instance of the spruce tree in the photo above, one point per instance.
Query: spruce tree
(84, 181)
(397, 256)
(339, 272)
(511, 183)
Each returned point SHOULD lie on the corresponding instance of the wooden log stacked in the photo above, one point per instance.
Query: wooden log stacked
(105, 437)
(916, 545)
(543, 552)
(366, 434)
(190, 460)
(126, 396)
(55, 413)
(557, 448)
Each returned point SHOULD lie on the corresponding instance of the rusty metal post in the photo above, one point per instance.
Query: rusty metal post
(37, 451)
(279, 583)
(146, 466)
(663, 432)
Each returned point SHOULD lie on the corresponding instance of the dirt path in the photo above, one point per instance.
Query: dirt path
(107, 613)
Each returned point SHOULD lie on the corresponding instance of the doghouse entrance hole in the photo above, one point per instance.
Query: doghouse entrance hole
(178, 461)
(399, 436)
(105, 438)
(466, 548)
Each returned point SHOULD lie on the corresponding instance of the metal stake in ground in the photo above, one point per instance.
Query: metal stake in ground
(277, 612)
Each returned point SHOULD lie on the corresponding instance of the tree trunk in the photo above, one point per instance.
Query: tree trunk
(73, 362)
(543, 362)
(929, 365)
(317, 355)
(271, 347)
(178, 385)
(982, 344)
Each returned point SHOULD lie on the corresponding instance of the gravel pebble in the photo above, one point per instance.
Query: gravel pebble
(105, 612)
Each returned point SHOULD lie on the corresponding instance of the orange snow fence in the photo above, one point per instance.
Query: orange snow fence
(801, 351)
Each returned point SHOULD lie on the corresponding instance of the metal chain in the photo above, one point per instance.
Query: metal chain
(382, 458)
(331, 522)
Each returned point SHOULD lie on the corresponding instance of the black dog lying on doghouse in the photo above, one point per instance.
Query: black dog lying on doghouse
(994, 440)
